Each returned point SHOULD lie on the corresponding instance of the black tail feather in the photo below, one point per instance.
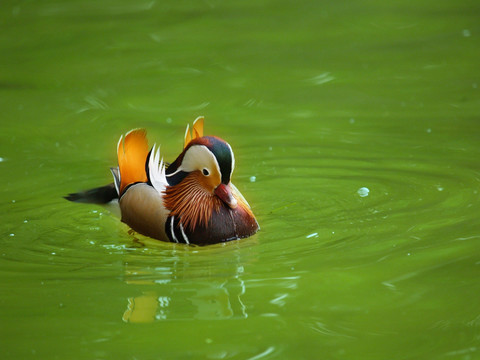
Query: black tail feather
(99, 195)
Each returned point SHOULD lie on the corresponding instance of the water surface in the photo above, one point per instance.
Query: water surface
(355, 127)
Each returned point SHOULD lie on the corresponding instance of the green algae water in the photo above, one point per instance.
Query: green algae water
(356, 132)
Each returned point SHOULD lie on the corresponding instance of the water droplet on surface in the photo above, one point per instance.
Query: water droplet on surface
(363, 192)
(466, 33)
(253, 178)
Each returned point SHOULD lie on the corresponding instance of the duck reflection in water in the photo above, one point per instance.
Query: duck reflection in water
(187, 283)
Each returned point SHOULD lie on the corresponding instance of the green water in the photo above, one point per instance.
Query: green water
(318, 100)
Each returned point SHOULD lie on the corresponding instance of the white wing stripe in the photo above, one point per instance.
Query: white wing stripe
(172, 230)
(184, 235)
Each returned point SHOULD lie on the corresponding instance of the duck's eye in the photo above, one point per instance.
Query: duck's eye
(206, 172)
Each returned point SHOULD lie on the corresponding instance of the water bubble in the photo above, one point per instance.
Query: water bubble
(466, 33)
(363, 192)
(253, 178)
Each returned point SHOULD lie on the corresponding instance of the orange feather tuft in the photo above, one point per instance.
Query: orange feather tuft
(198, 127)
(197, 131)
(132, 154)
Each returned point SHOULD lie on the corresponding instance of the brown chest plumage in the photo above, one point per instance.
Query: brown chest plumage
(225, 224)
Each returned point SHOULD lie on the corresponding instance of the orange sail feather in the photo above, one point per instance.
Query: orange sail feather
(198, 127)
(132, 154)
(197, 131)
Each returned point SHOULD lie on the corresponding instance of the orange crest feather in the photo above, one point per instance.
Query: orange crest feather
(132, 154)
(197, 131)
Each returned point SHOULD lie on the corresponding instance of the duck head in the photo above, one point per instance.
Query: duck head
(210, 161)
(200, 196)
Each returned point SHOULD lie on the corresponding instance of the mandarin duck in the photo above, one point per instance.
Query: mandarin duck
(191, 200)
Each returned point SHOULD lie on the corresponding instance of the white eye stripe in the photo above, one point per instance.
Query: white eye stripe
(196, 155)
(233, 160)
